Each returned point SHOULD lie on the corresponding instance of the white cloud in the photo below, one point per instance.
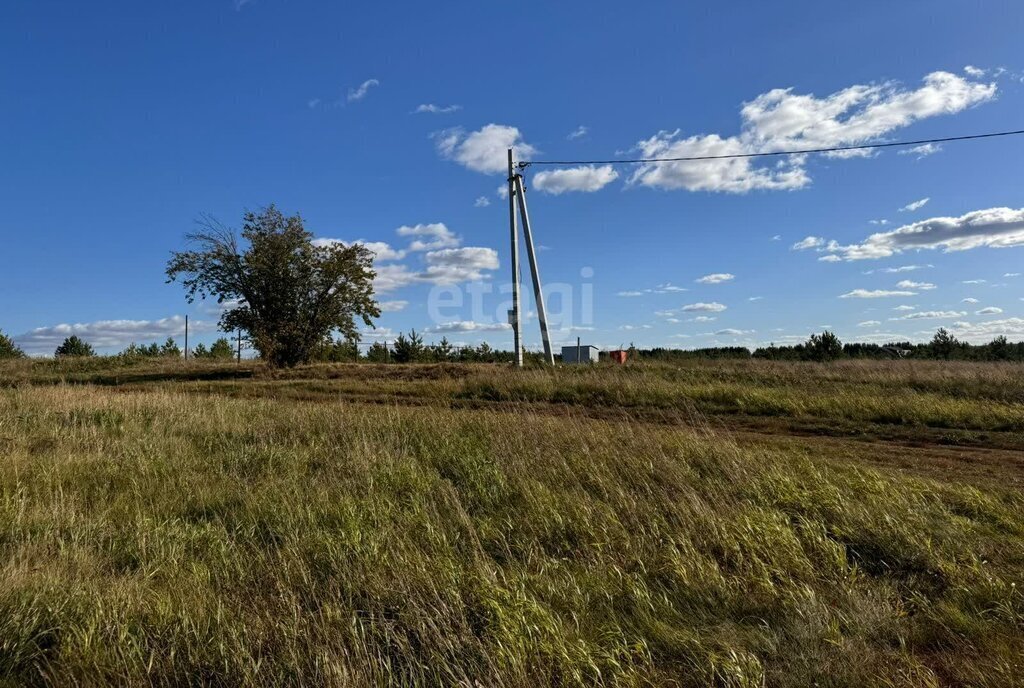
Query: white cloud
(970, 299)
(878, 222)
(974, 281)
(933, 315)
(445, 263)
(460, 326)
(481, 202)
(445, 266)
(732, 332)
(902, 268)
(783, 120)
(454, 265)
(991, 310)
(666, 288)
(829, 259)
(703, 318)
(377, 333)
(432, 109)
(577, 132)
(1011, 274)
(586, 178)
(976, 72)
(713, 307)
(106, 334)
(904, 308)
(994, 227)
(909, 284)
(986, 331)
(922, 151)
(911, 207)
(393, 306)
(755, 298)
(874, 294)
(808, 242)
(312, 103)
(382, 251)
(503, 192)
(733, 175)
(436, 233)
(628, 328)
(483, 150)
(393, 276)
(360, 91)
(869, 323)
(776, 237)
(716, 278)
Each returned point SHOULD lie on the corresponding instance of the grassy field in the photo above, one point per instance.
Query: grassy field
(727, 523)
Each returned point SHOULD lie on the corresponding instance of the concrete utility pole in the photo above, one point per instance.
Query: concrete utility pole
(517, 334)
(538, 292)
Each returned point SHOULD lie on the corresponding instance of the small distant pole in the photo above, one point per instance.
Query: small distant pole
(239, 347)
(186, 337)
(578, 360)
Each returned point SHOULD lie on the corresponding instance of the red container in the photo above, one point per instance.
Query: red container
(618, 356)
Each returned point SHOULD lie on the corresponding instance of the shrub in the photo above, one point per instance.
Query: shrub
(823, 347)
(409, 349)
(74, 346)
(222, 349)
(8, 349)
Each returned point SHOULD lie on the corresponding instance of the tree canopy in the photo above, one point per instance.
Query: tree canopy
(74, 346)
(8, 349)
(286, 292)
(823, 347)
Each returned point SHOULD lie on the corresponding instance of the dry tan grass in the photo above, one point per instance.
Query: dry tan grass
(160, 537)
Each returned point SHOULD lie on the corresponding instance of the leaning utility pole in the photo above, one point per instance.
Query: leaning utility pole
(517, 189)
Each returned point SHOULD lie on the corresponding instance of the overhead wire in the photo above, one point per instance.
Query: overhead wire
(805, 151)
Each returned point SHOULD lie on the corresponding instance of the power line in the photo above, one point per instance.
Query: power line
(694, 158)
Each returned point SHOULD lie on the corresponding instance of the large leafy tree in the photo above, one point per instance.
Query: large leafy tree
(288, 294)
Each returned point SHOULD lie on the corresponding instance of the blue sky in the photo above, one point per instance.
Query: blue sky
(122, 122)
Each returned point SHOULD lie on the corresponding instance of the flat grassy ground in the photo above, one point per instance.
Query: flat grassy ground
(727, 523)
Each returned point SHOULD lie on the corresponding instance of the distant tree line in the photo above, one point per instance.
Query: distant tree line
(76, 347)
(410, 348)
(827, 347)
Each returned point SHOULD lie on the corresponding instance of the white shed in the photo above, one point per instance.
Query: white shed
(587, 354)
